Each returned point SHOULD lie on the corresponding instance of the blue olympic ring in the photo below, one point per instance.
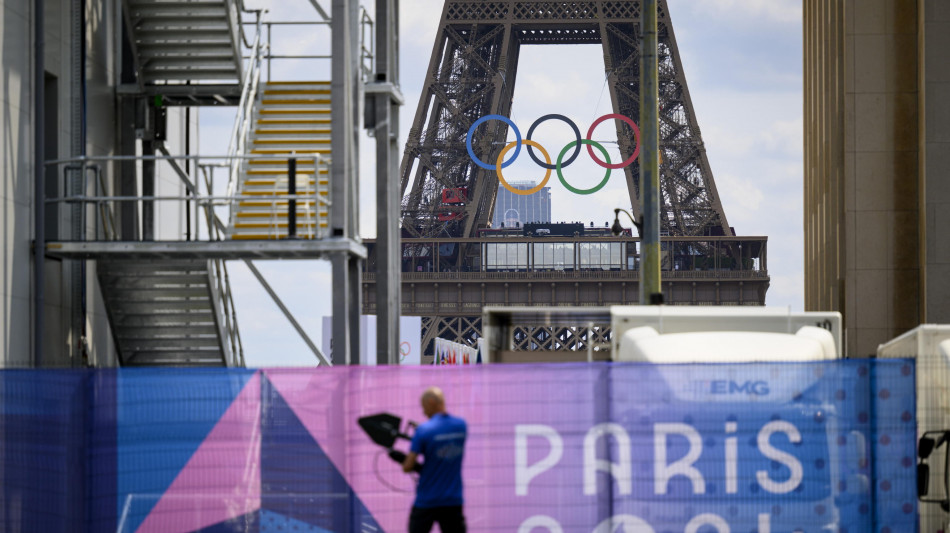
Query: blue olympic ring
(468, 141)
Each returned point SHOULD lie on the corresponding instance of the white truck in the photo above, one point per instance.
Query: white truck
(506, 329)
(663, 334)
(929, 344)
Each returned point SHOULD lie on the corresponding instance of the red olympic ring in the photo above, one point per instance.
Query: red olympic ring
(636, 133)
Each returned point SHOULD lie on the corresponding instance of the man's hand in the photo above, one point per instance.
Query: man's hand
(397, 456)
(410, 463)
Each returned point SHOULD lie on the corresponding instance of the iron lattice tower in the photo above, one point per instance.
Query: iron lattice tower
(472, 73)
(449, 270)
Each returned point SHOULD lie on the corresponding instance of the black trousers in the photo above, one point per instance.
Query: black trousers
(450, 519)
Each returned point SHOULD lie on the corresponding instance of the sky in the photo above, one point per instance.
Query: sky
(743, 65)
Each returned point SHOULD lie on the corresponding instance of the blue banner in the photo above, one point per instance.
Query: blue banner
(771, 448)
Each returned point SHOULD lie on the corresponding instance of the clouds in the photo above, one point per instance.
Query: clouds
(784, 137)
(755, 140)
(741, 46)
(418, 21)
(745, 12)
(268, 337)
(542, 85)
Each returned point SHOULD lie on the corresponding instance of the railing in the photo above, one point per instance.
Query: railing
(632, 275)
(583, 256)
(242, 120)
(235, 8)
(367, 43)
(226, 313)
(103, 207)
(476, 307)
(190, 507)
(224, 306)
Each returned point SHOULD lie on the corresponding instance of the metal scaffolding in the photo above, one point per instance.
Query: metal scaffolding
(168, 297)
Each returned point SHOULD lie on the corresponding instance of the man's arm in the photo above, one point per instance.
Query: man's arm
(410, 463)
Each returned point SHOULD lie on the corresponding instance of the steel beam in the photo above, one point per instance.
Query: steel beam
(148, 187)
(78, 121)
(226, 249)
(39, 185)
(343, 179)
(384, 98)
(322, 12)
(651, 290)
(126, 182)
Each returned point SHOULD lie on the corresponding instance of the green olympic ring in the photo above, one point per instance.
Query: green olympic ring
(564, 182)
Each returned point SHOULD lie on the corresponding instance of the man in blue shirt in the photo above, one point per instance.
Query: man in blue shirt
(441, 441)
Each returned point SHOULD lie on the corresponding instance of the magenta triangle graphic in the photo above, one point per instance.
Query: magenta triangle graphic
(328, 402)
(222, 480)
(321, 402)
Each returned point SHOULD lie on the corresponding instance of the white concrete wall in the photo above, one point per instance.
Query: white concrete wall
(935, 195)
(877, 190)
(16, 195)
(62, 307)
(101, 137)
(170, 216)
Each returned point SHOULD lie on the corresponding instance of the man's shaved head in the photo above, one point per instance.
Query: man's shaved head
(433, 401)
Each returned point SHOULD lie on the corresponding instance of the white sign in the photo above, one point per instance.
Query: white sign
(410, 339)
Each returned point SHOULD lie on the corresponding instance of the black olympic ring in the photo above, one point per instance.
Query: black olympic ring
(577, 134)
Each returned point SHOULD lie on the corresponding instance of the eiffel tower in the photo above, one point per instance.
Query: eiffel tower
(450, 258)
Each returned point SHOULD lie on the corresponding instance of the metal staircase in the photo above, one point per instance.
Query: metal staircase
(168, 313)
(178, 312)
(289, 120)
(185, 40)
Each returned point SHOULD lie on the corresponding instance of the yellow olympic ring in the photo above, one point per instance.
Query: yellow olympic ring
(501, 159)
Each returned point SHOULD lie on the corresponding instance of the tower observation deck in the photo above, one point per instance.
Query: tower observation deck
(454, 262)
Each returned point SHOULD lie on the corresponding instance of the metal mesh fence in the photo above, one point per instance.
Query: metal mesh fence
(825, 446)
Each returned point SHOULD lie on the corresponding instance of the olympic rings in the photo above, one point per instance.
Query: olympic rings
(577, 133)
(576, 144)
(468, 141)
(589, 143)
(499, 166)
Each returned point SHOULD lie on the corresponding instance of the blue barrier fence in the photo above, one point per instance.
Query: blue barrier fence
(771, 448)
